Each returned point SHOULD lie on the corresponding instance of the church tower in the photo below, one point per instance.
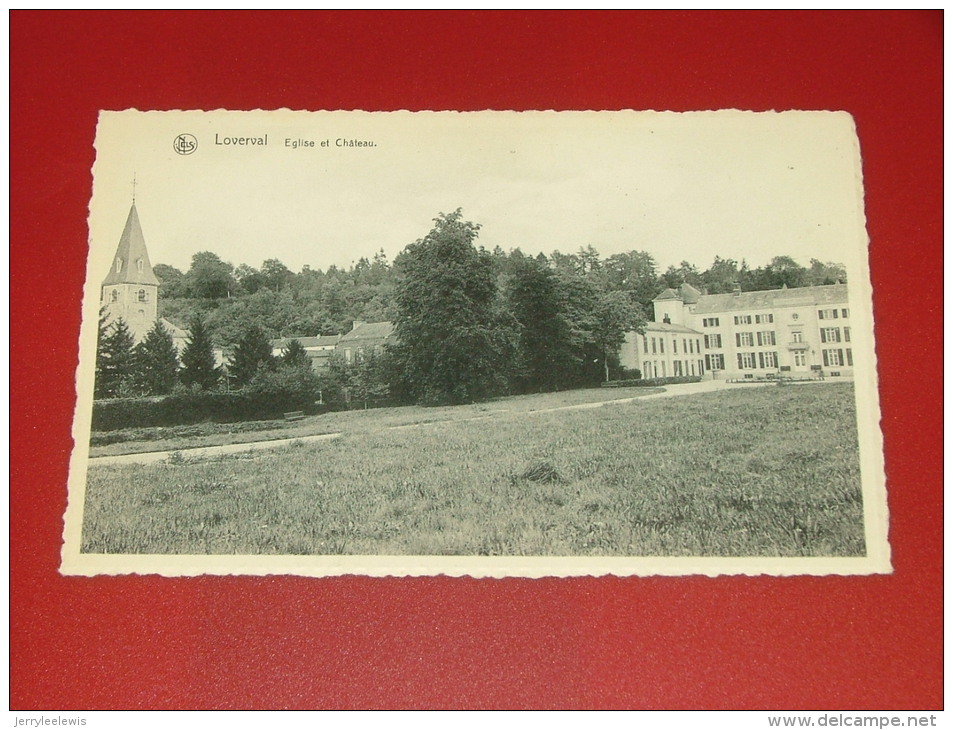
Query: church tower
(131, 289)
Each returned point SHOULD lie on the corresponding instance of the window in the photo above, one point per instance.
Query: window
(684, 345)
(794, 316)
(744, 339)
(678, 368)
(844, 313)
(800, 359)
(645, 344)
(139, 265)
(850, 358)
(142, 295)
(746, 361)
(766, 339)
(742, 319)
(833, 358)
(846, 334)
(768, 360)
(712, 341)
(674, 345)
(118, 265)
(715, 362)
(827, 314)
(797, 337)
(764, 319)
(653, 346)
(114, 295)
(661, 347)
(830, 334)
(710, 322)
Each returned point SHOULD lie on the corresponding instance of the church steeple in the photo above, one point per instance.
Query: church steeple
(131, 262)
(131, 290)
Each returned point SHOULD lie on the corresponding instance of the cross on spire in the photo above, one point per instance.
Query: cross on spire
(134, 188)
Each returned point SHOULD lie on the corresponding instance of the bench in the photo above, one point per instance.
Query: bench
(294, 416)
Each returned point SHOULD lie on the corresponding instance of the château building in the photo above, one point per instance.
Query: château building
(742, 335)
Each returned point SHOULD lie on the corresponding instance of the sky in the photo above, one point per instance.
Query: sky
(686, 186)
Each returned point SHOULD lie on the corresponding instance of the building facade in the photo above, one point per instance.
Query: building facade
(745, 335)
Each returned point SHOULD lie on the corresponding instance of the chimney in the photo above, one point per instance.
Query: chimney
(736, 289)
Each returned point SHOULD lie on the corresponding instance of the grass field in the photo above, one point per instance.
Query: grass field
(748, 472)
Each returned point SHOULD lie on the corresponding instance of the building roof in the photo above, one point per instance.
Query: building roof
(673, 328)
(176, 332)
(306, 342)
(768, 299)
(667, 294)
(131, 250)
(368, 331)
(689, 294)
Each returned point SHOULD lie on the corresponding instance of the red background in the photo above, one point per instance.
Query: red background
(220, 642)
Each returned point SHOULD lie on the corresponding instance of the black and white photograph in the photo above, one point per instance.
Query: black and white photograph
(477, 343)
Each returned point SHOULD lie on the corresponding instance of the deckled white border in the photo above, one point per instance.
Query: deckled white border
(877, 560)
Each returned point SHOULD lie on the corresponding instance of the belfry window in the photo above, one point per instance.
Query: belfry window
(142, 295)
(114, 296)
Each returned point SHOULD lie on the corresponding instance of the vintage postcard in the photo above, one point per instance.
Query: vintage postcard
(488, 344)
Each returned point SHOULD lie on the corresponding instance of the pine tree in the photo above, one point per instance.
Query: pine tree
(158, 361)
(198, 359)
(102, 362)
(117, 362)
(295, 356)
(252, 354)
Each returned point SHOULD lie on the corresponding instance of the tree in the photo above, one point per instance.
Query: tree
(544, 352)
(295, 356)
(449, 346)
(615, 315)
(252, 354)
(157, 361)
(198, 358)
(117, 362)
(633, 272)
(209, 277)
(171, 281)
(102, 363)
(275, 274)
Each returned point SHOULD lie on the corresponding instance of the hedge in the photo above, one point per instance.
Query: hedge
(197, 407)
(649, 382)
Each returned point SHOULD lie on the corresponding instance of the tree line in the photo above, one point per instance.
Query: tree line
(315, 301)
(469, 323)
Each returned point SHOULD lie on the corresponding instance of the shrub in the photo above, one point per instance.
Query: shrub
(189, 407)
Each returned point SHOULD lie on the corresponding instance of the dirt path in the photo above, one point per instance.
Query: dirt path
(151, 457)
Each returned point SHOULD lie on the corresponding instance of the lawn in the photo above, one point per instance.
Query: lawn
(748, 472)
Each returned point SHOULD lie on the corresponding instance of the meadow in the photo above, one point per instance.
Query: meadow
(747, 472)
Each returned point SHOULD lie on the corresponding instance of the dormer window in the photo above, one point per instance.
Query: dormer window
(142, 295)
(140, 265)
(118, 266)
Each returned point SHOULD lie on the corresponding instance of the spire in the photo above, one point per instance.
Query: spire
(131, 264)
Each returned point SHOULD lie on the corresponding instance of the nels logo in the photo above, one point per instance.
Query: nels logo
(185, 144)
